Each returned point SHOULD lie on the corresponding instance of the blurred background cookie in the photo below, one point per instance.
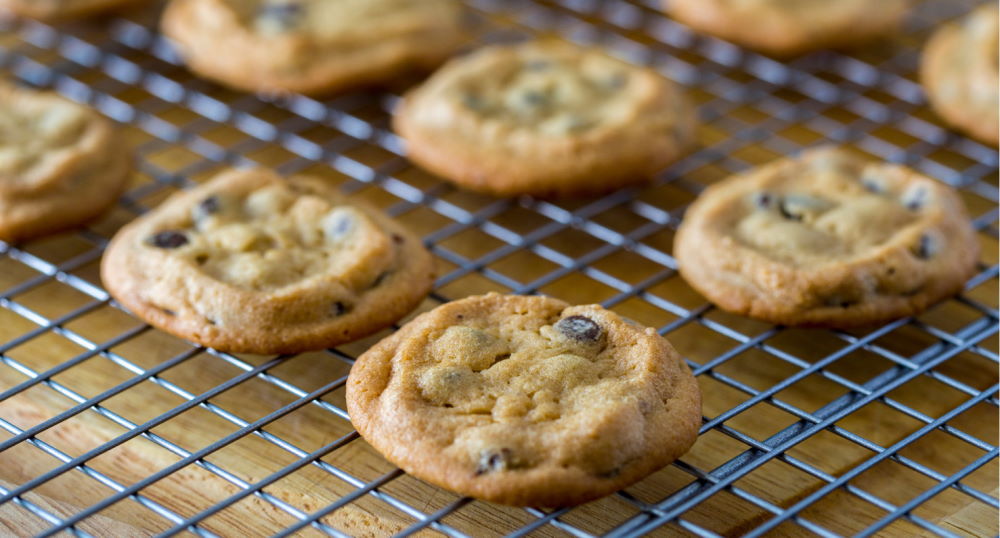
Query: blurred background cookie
(311, 46)
(959, 73)
(62, 9)
(544, 118)
(61, 163)
(786, 28)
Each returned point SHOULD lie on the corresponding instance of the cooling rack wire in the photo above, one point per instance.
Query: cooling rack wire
(109, 427)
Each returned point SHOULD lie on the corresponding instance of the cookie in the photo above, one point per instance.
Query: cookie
(61, 164)
(311, 46)
(959, 74)
(544, 118)
(526, 401)
(62, 9)
(783, 28)
(827, 239)
(251, 262)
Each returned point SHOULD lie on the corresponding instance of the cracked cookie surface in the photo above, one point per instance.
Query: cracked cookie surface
(525, 400)
(61, 164)
(789, 27)
(827, 239)
(959, 73)
(544, 118)
(251, 262)
(312, 46)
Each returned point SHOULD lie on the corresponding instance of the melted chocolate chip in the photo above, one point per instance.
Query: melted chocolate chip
(169, 239)
(925, 248)
(340, 308)
(786, 212)
(398, 239)
(283, 15)
(339, 225)
(537, 65)
(916, 198)
(763, 200)
(616, 81)
(209, 206)
(579, 328)
(494, 460)
(473, 102)
(871, 185)
(379, 279)
(533, 98)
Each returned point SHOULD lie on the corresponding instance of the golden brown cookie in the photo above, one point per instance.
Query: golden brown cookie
(62, 9)
(959, 74)
(789, 27)
(546, 119)
(827, 239)
(311, 46)
(61, 164)
(525, 400)
(251, 262)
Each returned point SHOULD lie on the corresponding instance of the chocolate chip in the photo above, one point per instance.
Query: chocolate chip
(796, 206)
(616, 81)
(785, 212)
(169, 239)
(379, 279)
(579, 328)
(915, 198)
(763, 200)
(473, 102)
(209, 206)
(533, 98)
(494, 460)
(925, 248)
(537, 65)
(871, 185)
(398, 239)
(284, 16)
(338, 224)
(340, 308)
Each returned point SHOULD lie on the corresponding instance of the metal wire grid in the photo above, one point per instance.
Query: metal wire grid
(98, 68)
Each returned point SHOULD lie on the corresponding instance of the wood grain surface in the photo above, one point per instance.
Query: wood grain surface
(851, 441)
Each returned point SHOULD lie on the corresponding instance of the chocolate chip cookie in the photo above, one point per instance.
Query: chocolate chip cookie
(311, 46)
(959, 74)
(62, 9)
(789, 27)
(525, 400)
(251, 262)
(546, 119)
(827, 239)
(61, 163)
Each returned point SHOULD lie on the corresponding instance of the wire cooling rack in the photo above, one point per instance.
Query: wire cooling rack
(113, 428)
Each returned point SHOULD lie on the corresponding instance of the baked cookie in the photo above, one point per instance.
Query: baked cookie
(790, 27)
(959, 73)
(544, 118)
(827, 239)
(250, 262)
(311, 46)
(525, 401)
(61, 164)
(61, 9)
